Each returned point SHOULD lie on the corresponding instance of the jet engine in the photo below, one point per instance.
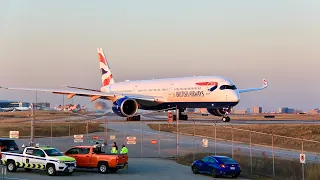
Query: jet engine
(217, 112)
(125, 107)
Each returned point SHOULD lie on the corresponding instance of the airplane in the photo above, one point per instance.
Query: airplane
(216, 93)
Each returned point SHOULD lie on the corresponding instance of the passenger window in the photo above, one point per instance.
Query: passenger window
(212, 160)
(39, 153)
(72, 151)
(206, 159)
(84, 151)
(29, 151)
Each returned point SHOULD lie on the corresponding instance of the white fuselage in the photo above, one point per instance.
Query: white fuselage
(178, 90)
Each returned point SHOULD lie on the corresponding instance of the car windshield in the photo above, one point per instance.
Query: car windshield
(53, 152)
(225, 160)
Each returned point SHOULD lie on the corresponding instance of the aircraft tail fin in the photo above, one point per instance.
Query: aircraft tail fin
(106, 75)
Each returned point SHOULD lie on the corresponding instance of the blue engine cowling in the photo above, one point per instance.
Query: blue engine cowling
(125, 107)
(216, 112)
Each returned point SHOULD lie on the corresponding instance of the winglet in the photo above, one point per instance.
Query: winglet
(265, 84)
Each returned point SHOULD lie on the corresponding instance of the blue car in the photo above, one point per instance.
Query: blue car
(216, 166)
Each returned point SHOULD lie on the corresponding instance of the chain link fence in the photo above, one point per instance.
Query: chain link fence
(258, 153)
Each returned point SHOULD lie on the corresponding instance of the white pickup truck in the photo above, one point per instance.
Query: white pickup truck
(42, 158)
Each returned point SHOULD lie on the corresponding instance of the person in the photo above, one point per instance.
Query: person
(124, 149)
(114, 149)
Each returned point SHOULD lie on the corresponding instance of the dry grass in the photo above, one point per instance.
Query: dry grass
(310, 132)
(24, 116)
(44, 129)
(261, 117)
(262, 166)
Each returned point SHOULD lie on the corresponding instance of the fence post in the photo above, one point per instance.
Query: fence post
(159, 147)
(51, 132)
(273, 170)
(141, 140)
(69, 124)
(232, 144)
(215, 139)
(302, 163)
(177, 124)
(251, 152)
(87, 128)
(194, 139)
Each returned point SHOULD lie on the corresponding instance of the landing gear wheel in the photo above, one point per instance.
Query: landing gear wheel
(183, 117)
(226, 119)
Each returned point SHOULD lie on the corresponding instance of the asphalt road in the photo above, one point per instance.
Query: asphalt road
(139, 169)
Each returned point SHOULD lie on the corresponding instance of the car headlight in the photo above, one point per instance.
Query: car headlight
(61, 162)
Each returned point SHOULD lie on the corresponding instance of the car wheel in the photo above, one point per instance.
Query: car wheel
(11, 166)
(195, 169)
(51, 170)
(214, 173)
(103, 168)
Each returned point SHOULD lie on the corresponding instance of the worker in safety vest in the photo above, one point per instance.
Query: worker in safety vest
(124, 150)
(114, 149)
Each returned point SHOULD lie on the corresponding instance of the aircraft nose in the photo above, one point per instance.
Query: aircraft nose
(233, 96)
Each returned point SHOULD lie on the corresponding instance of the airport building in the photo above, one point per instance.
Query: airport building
(314, 111)
(256, 110)
(42, 105)
(12, 104)
(239, 111)
(286, 110)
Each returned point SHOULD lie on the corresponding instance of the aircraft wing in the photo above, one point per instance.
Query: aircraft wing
(265, 85)
(94, 94)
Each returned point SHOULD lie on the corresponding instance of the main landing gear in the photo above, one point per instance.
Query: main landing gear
(181, 116)
(134, 118)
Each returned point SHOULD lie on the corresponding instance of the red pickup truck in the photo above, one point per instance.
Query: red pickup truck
(93, 157)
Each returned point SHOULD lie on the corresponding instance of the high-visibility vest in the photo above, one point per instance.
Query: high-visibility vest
(124, 150)
(114, 150)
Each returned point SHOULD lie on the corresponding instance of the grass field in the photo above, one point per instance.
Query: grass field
(262, 167)
(260, 117)
(310, 132)
(44, 129)
(24, 116)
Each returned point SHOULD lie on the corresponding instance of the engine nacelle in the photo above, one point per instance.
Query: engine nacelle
(125, 107)
(217, 112)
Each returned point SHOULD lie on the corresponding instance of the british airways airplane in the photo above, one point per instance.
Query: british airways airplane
(218, 94)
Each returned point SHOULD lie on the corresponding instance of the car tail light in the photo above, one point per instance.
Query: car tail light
(117, 160)
(222, 166)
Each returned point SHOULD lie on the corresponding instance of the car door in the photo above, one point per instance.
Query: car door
(203, 165)
(74, 152)
(84, 156)
(39, 157)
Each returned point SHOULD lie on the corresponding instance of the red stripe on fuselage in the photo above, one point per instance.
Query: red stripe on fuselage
(107, 81)
(101, 58)
(207, 83)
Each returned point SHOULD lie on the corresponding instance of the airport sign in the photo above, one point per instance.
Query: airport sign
(14, 134)
(78, 138)
(302, 158)
(131, 140)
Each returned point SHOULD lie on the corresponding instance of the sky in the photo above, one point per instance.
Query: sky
(46, 44)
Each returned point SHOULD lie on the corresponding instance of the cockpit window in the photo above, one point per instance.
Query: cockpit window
(233, 87)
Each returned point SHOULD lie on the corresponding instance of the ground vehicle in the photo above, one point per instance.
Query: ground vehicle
(94, 157)
(7, 145)
(39, 157)
(217, 166)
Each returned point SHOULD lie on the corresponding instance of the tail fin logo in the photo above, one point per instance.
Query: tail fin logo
(106, 75)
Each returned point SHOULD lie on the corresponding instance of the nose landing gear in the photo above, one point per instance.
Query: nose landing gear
(225, 117)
